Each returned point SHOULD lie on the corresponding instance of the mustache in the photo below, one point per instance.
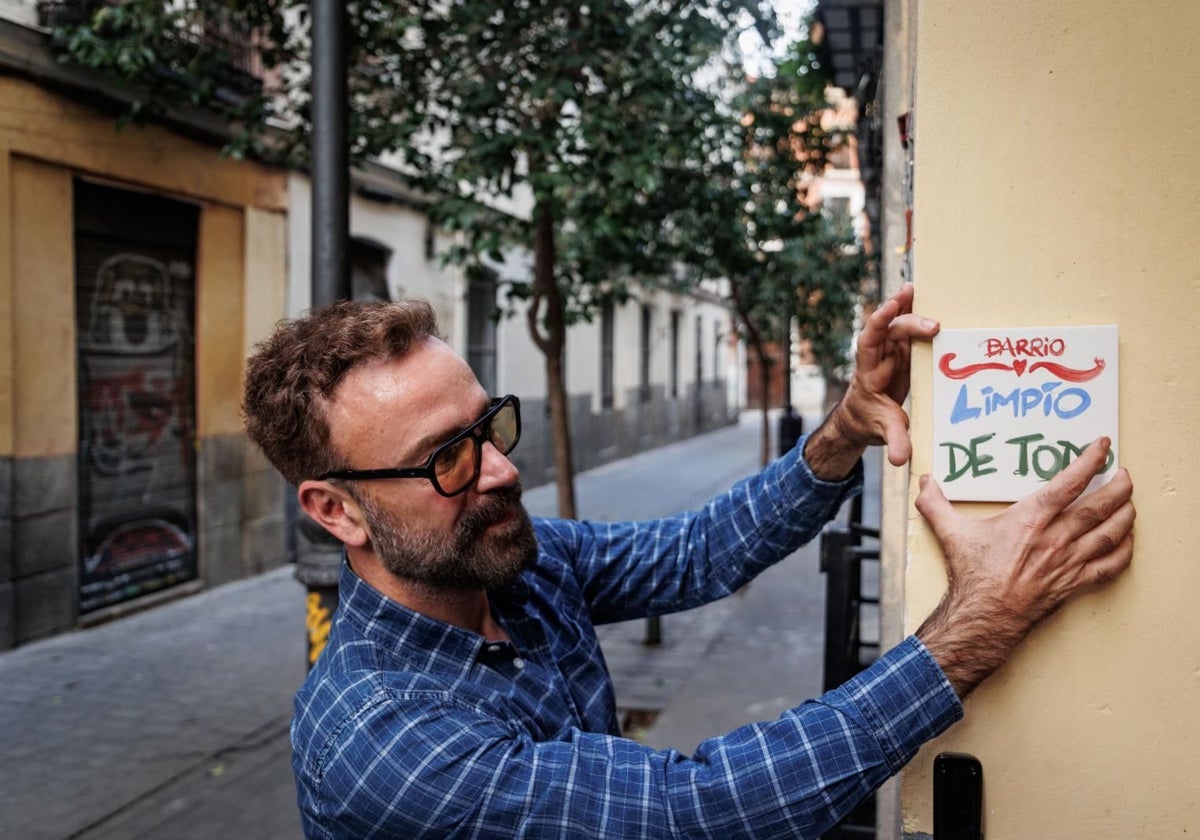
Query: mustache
(491, 508)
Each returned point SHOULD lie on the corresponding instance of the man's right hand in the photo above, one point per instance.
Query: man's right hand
(1009, 571)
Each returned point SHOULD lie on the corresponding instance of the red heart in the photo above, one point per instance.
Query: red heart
(1019, 366)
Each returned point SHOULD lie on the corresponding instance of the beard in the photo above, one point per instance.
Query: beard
(470, 557)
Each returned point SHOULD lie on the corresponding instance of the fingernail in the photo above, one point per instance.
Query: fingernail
(922, 481)
(928, 323)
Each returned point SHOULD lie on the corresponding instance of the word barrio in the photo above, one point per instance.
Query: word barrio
(1013, 407)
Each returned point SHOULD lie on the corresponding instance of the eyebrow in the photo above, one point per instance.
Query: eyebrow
(433, 440)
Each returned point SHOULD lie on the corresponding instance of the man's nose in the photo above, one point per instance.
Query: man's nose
(495, 470)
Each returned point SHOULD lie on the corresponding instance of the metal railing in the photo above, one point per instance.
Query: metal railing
(851, 627)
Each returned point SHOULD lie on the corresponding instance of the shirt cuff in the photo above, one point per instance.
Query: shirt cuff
(906, 700)
(843, 488)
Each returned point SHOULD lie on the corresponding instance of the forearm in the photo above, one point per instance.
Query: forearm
(971, 637)
(838, 748)
(830, 451)
(451, 765)
(633, 569)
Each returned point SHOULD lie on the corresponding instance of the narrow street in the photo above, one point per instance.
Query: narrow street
(173, 723)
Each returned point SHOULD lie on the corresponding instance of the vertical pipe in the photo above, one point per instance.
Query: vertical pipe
(318, 555)
(330, 153)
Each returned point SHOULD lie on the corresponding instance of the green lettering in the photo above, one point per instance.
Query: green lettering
(974, 461)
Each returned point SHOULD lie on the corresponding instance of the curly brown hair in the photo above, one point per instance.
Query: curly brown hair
(292, 375)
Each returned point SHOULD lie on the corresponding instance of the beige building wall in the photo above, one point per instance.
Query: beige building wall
(1056, 183)
(47, 141)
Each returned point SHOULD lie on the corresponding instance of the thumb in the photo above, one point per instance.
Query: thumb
(899, 444)
(935, 507)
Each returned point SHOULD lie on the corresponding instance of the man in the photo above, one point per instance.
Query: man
(463, 692)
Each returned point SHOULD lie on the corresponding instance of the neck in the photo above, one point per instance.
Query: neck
(465, 608)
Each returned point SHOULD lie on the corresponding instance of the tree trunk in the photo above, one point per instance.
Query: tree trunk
(564, 465)
(549, 334)
(764, 379)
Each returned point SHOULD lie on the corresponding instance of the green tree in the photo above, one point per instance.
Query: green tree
(781, 261)
(590, 113)
(830, 270)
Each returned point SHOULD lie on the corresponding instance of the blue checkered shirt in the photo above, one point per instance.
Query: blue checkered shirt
(411, 728)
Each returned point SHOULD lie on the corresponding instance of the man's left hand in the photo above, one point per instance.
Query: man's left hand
(870, 413)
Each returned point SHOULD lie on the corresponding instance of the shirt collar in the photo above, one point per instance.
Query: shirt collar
(414, 640)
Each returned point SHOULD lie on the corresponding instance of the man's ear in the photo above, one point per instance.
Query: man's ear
(334, 510)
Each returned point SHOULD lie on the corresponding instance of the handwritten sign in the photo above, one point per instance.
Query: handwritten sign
(1013, 407)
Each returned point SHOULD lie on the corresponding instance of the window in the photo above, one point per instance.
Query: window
(368, 270)
(837, 208)
(674, 353)
(481, 328)
(644, 371)
(606, 354)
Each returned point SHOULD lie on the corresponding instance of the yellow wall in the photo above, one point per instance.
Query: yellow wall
(266, 263)
(40, 124)
(47, 140)
(43, 314)
(1056, 183)
(6, 308)
(219, 294)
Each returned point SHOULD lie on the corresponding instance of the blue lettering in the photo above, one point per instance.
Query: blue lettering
(961, 410)
(1000, 400)
(1085, 400)
(1031, 398)
(1048, 387)
(1068, 403)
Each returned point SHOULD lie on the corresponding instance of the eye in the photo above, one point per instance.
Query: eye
(447, 459)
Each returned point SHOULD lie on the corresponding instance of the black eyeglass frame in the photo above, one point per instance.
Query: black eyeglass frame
(479, 431)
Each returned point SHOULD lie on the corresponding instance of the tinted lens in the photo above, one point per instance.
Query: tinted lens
(505, 429)
(454, 465)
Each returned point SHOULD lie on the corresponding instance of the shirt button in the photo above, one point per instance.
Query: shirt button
(493, 648)
(518, 663)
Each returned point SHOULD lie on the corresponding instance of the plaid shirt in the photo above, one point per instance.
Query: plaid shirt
(408, 727)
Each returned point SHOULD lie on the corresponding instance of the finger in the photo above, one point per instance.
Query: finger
(1105, 568)
(1105, 537)
(909, 326)
(1093, 510)
(895, 436)
(899, 378)
(936, 508)
(874, 334)
(1052, 499)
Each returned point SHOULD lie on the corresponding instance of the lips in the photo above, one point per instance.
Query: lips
(503, 519)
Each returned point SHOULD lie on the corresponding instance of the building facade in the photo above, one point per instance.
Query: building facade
(643, 373)
(143, 266)
(1030, 182)
(140, 266)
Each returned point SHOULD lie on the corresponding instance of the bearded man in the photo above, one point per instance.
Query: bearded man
(463, 692)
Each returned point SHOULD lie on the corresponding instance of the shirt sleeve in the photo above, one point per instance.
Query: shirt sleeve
(419, 764)
(636, 569)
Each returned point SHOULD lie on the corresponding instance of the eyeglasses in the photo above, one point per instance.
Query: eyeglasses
(454, 466)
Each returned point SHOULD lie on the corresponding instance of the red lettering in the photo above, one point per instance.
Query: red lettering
(1038, 346)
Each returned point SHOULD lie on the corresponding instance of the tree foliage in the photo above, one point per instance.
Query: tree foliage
(612, 127)
(783, 262)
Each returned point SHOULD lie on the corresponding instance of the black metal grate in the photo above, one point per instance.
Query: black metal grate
(848, 650)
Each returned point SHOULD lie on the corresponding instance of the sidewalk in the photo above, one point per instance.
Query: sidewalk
(173, 723)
